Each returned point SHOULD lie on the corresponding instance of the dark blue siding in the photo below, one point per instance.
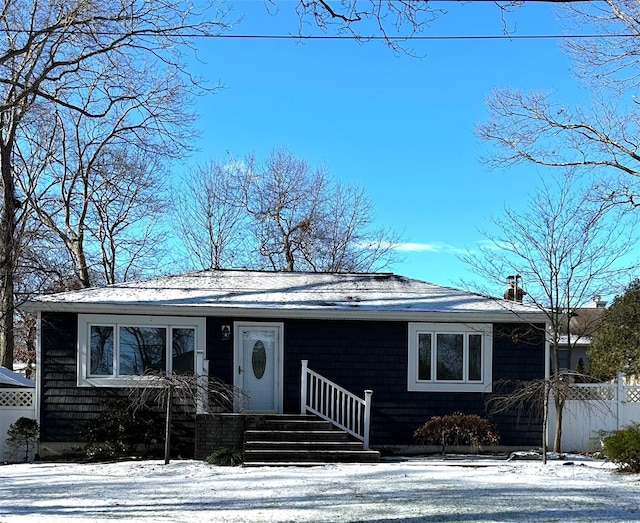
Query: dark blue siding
(361, 355)
(219, 351)
(357, 355)
(374, 355)
(65, 408)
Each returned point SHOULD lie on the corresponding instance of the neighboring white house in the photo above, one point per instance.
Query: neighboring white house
(584, 323)
(17, 400)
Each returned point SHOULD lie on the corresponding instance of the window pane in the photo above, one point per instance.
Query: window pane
(424, 356)
(475, 357)
(449, 356)
(183, 350)
(101, 355)
(563, 356)
(142, 349)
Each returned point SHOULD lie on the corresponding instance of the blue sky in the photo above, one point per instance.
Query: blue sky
(403, 127)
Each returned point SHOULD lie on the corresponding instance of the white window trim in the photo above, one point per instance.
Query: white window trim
(484, 385)
(85, 321)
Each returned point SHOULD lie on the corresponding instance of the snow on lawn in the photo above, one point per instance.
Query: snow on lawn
(413, 491)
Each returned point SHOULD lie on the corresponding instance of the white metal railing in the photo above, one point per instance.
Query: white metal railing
(331, 402)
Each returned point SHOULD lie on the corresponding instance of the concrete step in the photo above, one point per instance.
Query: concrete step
(296, 435)
(286, 440)
(283, 464)
(278, 456)
(296, 424)
(303, 445)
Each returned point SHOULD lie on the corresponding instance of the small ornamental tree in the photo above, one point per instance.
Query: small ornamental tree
(457, 429)
(23, 436)
(168, 390)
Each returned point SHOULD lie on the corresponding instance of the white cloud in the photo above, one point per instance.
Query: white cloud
(417, 247)
(436, 247)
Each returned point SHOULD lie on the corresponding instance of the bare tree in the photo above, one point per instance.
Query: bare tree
(362, 18)
(346, 240)
(128, 201)
(55, 50)
(210, 215)
(281, 214)
(303, 220)
(190, 391)
(532, 398)
(599, 137)
(565, 249)
(284, 198)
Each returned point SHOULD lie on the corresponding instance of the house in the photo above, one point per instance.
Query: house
(423, 349)
(583, 322)
(16, 401)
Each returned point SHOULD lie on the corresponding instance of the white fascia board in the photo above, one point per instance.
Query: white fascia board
(290, 313)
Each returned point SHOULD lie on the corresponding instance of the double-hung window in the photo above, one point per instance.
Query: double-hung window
(450, 357)
(115, 349)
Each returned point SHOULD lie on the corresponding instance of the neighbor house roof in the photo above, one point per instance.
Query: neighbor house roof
(285, 294)
(8, 378)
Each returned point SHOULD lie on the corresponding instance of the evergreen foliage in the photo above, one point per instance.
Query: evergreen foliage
(23, 435)
(120, 430)
(616, 345)
(226, 457)
(623, 447)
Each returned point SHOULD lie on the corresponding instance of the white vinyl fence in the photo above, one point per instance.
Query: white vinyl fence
(15, 403)
(593, 408)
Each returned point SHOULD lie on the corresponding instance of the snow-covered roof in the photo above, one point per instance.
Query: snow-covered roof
(13, 379)
(290, 293)
(576, 340)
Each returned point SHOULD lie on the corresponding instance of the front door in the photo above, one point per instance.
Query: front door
(258, 364)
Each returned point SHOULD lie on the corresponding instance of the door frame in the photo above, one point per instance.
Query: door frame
(239, 365)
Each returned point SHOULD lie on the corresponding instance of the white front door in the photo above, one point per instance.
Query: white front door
(258, 363)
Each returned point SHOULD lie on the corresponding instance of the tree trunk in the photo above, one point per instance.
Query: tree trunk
(77, 248)
(558, 398)
(545, 421)
(8, 255)
(559, 403)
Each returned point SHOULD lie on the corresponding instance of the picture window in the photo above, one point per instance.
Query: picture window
(450, 357)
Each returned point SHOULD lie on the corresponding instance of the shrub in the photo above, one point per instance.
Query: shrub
(226, 457)
(623, 447)
(23, 436)
(457, 429)
(120, 430)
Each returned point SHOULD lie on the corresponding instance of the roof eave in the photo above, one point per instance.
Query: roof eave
(329, 313)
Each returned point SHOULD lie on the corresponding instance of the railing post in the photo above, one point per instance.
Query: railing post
(367, 418)
(303, 387)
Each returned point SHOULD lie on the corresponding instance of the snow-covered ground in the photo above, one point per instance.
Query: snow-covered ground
(413, 491)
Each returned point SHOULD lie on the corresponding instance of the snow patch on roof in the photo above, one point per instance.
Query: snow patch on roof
(240, 289)
(13, 379)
